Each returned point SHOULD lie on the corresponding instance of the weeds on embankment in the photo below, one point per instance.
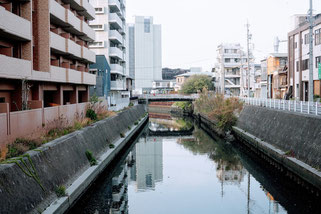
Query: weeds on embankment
(223, 111)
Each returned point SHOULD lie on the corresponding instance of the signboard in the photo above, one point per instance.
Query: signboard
(319, 71)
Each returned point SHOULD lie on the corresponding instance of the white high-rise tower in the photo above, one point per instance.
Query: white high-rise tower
(144, 53)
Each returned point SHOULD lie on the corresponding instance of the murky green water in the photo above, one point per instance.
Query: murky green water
(192, 173)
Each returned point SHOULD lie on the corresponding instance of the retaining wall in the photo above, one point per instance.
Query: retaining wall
(297, 134)
(60, 162)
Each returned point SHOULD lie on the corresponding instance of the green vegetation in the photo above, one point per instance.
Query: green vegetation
(130, 104)
(61, 191)
(91, 114)
(28, 169)
(129, 127)
(111, 146)
(20, 146)
(92, 160)
(122, 135)
(136, 123)
(184, 124)
(219, 109)
(186, 106)
(196, 84)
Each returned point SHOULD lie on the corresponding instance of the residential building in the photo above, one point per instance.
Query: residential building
(298, 55)
(169, 74)
(145, 53)
(277, 75)
(181, 79)
(231, 67)
(163, 86)
(110, 28)
(257, 80)
(102, 71)
(44, 53)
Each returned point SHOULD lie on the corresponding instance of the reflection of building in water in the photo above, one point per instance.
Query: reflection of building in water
(274, 203)
(119, 191)
(230, 173)
(149, 163)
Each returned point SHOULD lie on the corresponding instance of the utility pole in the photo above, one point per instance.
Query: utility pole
(248, 58)
(311, 20)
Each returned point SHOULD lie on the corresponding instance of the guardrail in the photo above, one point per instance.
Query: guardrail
(312, 108)
(168, 96)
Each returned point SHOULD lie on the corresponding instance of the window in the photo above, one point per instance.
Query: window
(99, 10)
(235, 51)
(306, 39)
(295, 45)
(318, 37)
(96, 44)
(317, 61)
(305, 64)
(297, 65)
(97, 27)
(113, 77)
(147, 25)
(227, 60)
(226, 51)
(2, 100)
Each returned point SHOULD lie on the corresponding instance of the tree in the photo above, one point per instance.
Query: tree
(197, 83)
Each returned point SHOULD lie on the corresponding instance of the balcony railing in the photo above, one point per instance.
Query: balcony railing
(88, 55)
(57, 42)
(14, 25)
(115, 20)
(74, 21)
(74, 48)
(116, 68)
(57, 10)
(114, 5)
(117, 85)
(115, 36)
(116, 52)
(11, 67)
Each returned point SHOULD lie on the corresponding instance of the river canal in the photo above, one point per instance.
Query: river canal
(175, 167)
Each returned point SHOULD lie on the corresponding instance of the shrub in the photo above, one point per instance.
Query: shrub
(216, 107)
(122, 135)
(92, 160)
(136, 123)
(111, 146)
(91, 114)
(129, 127)
(130, 104)
(61, 191)
(186, 106)
(197, 83)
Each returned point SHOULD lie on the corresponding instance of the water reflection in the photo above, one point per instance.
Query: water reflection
(188, 173)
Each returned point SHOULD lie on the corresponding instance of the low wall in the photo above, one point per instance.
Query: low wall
(295, 133)
(60, 162)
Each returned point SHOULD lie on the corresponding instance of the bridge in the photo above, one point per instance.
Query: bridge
(166, 97)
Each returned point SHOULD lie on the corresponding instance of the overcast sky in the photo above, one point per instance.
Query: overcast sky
(192, 29)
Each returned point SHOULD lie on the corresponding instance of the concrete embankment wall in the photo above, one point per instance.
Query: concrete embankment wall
(291, 139)
(61, 162)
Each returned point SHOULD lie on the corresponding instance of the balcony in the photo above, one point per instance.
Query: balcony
(88, 55)
(74, 76)
(115, 36)
(14, 26)
(57, 10)
(90, 33)
(74, 48)
(14, 68)
(117, 85)
(115, 52)
(89, 12)
(115, 21)
(116, 69)
(58, 74)
(57, 42)
(232, 75)
(114, 5)
(89, 79)
(73, 21)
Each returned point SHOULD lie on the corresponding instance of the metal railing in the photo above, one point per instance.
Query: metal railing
(168, 96)
(312, 108)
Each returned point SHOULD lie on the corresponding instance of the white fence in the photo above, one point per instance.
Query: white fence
(313, 108)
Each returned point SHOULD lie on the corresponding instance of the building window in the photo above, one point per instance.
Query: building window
(97, 27)
(318, 37)
(99, 10)
(317, 61)
(2, 100)
(295, 45)
(306, 39)
(305, 64)
(297, 65)
(227, 60)
(113, 77)
(147, 25)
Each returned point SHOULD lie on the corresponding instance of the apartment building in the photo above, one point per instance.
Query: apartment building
(277, 70)
(145, 53)
(231, 69)
(110, 28)
(44, 53)
(298, 55)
